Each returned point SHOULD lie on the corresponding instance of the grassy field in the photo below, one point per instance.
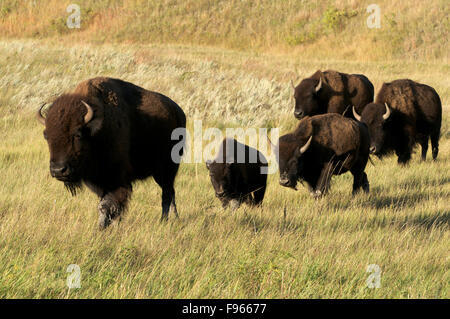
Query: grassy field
(311, 29)
(319, 249)
(229, 64)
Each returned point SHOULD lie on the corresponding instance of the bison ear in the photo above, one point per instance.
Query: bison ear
(95, 125)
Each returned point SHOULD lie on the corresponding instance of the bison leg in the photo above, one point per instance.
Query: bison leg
(360, 181)
(435, 143)
(173, 206)
(404, 153)
(168, 203)
(405, 146)
(234, 204)
(323, 184)
(403, 157)
(258, 195)
(423, 140)
(165, 178)
(112, 205)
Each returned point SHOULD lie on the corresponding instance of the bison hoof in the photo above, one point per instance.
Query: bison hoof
(103, 221)
(107, 212)
(234, 204)
(435, 153)
(366, 187)
(316, 194)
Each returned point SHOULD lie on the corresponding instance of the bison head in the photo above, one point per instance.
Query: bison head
(220, 175)
(376, 117)
(306, 96)
(70, 125)
(290, 158)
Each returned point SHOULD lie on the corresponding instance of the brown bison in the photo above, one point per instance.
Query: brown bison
(237, 174)
(108, 133)
(332, 92)
(322, 146)
(404, 113)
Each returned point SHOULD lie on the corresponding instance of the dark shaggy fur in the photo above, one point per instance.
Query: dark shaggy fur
(338, 145)
(416, 115)
(339, 91)
(238, 181)
(128, 139)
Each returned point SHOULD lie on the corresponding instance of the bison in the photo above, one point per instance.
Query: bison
(404, 113)
(108, 133)
(322, 146)
(332, 92)
(237, 174)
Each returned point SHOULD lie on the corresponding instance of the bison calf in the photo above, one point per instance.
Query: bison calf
(322, 146)
(404, 113)
(238, 174)
(109, 133)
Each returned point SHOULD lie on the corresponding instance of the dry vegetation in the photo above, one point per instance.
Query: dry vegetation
(312, 29)
(321, 248)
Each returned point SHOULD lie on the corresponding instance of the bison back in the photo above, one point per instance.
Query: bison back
(336, 132)
(417, 102)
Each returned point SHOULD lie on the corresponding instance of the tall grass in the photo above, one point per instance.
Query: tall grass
(308, 29)
(292, 247)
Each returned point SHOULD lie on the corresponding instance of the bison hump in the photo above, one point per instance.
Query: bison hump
(334, 79)
(337, 133)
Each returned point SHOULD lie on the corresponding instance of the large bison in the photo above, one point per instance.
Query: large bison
(332, 92)
(108, 133)
(237, 174)
(404, 113)
(322, 146)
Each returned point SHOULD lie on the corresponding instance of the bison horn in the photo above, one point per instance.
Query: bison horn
(388, 112)
(39, 116)
(305, 147)
(355, 114)
(89, 114)
(319, 86)
(292, 84)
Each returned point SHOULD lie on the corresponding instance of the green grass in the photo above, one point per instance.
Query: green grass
(319, 249)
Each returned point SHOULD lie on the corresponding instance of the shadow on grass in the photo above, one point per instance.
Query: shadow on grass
(279, 223)
(428, 182)
(439, 220)
(398, 201)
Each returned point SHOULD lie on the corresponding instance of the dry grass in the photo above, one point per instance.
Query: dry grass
(320, 249)
(308, 29)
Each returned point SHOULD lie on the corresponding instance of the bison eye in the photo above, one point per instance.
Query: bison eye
(78, 135)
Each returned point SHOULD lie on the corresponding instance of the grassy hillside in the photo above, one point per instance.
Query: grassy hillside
(308, 29)
(316, 249)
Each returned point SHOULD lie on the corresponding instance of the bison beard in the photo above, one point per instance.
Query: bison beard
(105, 134)
(73, 187)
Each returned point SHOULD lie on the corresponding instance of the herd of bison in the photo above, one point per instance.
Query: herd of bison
(108, 133)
